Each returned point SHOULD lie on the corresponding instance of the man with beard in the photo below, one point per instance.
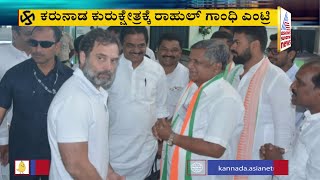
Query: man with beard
(304, 157)
(264, 88)
(137, 99)
(78, 119)
(169, 54)
(31, 86)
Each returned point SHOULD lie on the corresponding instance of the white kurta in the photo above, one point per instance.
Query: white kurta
(276, 114)
(176, 82)
(304, 158)
(78, 113)
(137, 99)
(213, 122)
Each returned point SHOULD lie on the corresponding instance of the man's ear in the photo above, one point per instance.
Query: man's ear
(255, 45)
(292, 54)
(82, 59)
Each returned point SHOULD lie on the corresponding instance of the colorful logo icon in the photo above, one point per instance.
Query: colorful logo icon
(21, 167)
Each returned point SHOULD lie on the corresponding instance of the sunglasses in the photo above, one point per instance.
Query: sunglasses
(274, 51)
(43, 44)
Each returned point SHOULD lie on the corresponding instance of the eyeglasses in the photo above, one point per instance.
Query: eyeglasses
(43, 44)
(273, 51)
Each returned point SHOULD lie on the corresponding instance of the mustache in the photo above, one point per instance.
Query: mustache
(165, 56)
(234, 52)
(137, 53)
(294, 92)
(109, 73)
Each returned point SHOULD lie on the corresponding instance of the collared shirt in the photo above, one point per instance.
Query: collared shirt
(276, 115)
(28, 131)
(213, 123)
(304, 158)
(78, 113)
(176, 81)
(10, 56)
(137, 99)
(292, 72)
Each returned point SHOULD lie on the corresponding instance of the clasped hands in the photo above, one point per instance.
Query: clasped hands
(271, 152)
(162, 129)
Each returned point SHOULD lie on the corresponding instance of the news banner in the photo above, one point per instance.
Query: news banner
(279, 18)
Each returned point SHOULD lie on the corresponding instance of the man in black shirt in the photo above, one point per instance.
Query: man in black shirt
(31, 86)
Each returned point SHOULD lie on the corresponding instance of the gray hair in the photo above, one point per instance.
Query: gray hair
(216, 51)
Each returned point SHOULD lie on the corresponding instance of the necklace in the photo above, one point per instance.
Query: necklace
(53, 91)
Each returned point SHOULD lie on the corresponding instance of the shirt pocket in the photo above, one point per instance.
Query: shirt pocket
(146, 91)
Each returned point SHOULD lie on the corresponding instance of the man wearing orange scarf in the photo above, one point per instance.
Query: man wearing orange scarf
(202, 128)
(269, 116)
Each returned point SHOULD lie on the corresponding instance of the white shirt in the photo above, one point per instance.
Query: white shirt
(214, 123)
(276, 114)
(150, 53)
(291, 73)
(304, 159)
(137, 99)
(78, 113)
(176, 82)
(10, 56)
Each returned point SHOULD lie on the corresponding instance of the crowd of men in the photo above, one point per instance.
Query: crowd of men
(120, 110)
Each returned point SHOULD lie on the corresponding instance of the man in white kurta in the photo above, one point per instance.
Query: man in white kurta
(137, 99)
(304, 157)
(275, 117)
(213, 127)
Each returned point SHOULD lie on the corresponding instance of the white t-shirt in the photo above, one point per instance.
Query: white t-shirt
(137, 99)
(213, 123)
(10, 56)
(276, 114)
(176, 81)
(78, 113)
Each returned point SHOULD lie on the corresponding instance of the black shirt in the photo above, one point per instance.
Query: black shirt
(28, 137)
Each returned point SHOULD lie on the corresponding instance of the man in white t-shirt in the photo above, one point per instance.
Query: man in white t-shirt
(78, 117)
(169, 54)
(11, 55)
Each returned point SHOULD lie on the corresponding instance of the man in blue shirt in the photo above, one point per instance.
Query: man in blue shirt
(31, 86)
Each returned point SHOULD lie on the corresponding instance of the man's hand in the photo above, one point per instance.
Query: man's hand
(163, 129)
(4, 149)
(271, 152)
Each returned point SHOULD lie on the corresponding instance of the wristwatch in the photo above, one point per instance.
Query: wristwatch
(170, 140)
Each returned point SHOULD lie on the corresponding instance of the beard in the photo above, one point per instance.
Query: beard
(93, 76)
(241, 58)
